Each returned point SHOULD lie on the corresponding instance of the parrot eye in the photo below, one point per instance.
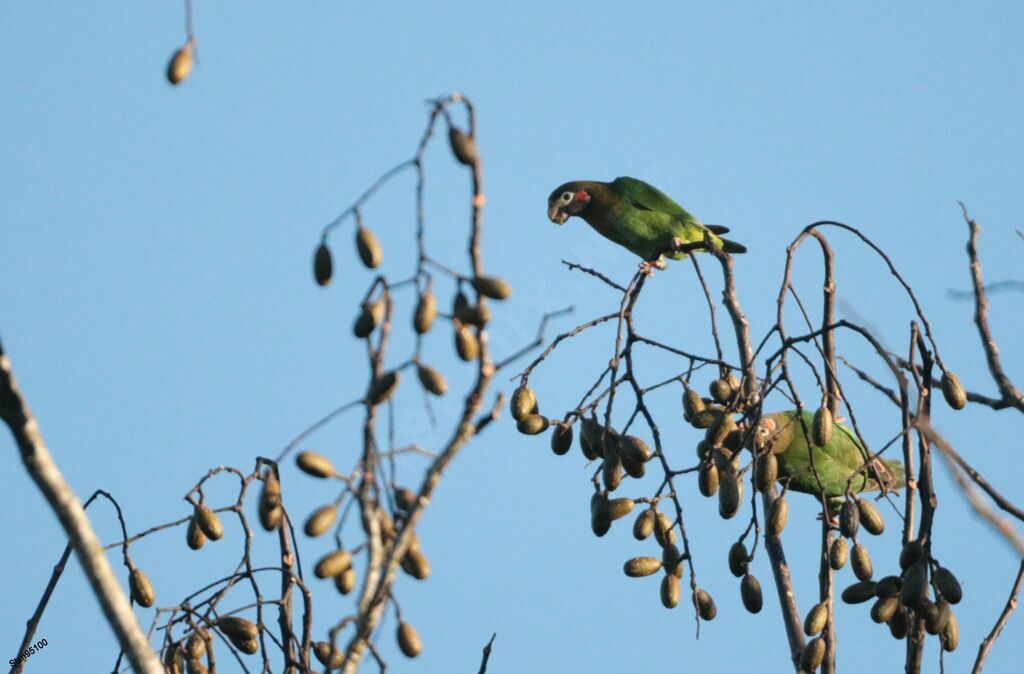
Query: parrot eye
(566, 197)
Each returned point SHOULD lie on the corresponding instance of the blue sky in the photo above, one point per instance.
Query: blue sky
(156, 299)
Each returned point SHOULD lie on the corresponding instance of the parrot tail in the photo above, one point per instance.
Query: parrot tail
(732, 247)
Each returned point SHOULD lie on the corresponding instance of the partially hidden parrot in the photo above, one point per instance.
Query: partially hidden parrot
(841, 459)
(637, 216)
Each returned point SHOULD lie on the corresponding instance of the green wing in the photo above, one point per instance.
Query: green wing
(648, 197)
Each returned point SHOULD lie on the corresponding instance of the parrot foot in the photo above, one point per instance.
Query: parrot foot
(647, 268)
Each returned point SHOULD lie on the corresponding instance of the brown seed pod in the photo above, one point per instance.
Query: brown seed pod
(724, 459)
(475, 314)
(611, 472)
(935, 615)
(493, 287)
(323, 653)
(821, 429)
(195, 646)
(415, 564)
(369, 248)
(635, 449)
(638, 567)
(704, 418)
(561, 438)
(426, 311)
(719, 429)
(174, 659)
(141, 589)
(180, 65)
(405, 498)
(270, 496)
(664, 530)
(431, 380)
(838, 553)
(704, 451)
(707, 479)
(859, 592)
(345, 581)
(635, 469)
(870, 518)
(950, 634)
(953, 391)
(816, 619)
(248, 646)
(270, 516)
(705, 604)
(766, 471)
(409, 640)
(898, 626)
(321, 520)
(208, 521)
(720, 390)
(194, 536)
(533, 424)
(738, 559)
(861, 562)
(884, 609)
(643, 527)
(915, 585)
(911, 554)
(672, 559)
(333, 563)
(591, 433)
(693, 404)
(619, 507)
(750, 593)
(849, 518)
(463, 146)
(370, 316)
(813, 655)
(195, 667)
(730, 495)
(670, 591)
(314, 464)
(467, 346)
(382, 387)
(323, 267)
(947, 585)
(888, 587)
(600, 521)
(778, 512)
(236, 628)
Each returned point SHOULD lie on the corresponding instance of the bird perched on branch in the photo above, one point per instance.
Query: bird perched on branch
(637, 216)
(840, 462)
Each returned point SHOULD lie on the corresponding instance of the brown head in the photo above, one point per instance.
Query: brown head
(569, 199)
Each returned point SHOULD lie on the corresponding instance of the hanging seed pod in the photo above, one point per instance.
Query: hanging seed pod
(950, 634)
(611, 472)
(707, 479)
(813, 655)
(778, 512)
(635, 449)
(466, 343)
(194, 536)
(416, 564)
(633, 468)
(195, 646)
(426, 311)
(619, 507)
(610, 443)
(405, 498)
(141, 589)
(670, 591)
(704, 451)
(368, 247)
(935, 616)
(270, 502)
(463, 146)
(705, 604)
(849, 518)
(859, 592)
(431, 380)
(236, 628)
(314, 464)
(911, 554)
(591, 433)
(641, 566)
(672, 560)
(561, 438)
(821, 429)
(522, 402)
(816, 619)
(953, 391)
(838, 554)
(643, 527)
(180, 65)
(719, 429)
(208, 521)
(321, 520)
(766, 471)
(475, 314)
(888, 587)
(382, 387)
(704, 418)
(345, 581)
(884, 609)
(248, 646)
(493, 287)
(693, 404)
(533, 424)
(196, 667)
(750, 593)
(664, 530)
(730, 495)
(870, 518)
(898, 626)
(720, 390)
(600, 522)
(323, 267)
(915, 585)
(333, 563)
(174, 659)
(328, 658)
(370, 316)
(738, 559)
(409, 640)
(947, 585)
(861, 560)
(725, 460)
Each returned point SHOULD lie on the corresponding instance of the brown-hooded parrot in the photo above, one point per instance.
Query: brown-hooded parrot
(637, 216)
(839, 463)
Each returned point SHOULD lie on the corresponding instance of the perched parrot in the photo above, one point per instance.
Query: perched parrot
(839, 460)
(637, 216)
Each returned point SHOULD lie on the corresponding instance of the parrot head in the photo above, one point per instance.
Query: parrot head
(566, 201)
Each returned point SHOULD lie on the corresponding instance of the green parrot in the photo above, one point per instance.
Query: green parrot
(837, 462)
(637, 216)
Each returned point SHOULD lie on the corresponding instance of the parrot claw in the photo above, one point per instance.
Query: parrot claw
(647, 268)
